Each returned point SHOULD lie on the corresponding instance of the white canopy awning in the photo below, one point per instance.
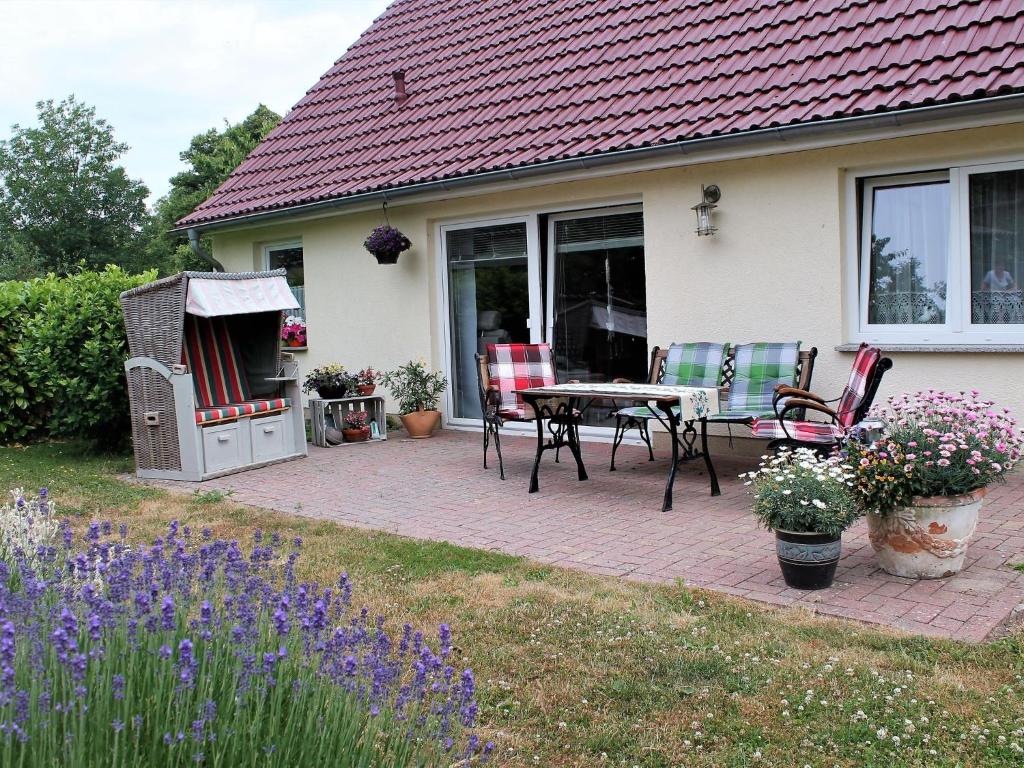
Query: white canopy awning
(214, 297)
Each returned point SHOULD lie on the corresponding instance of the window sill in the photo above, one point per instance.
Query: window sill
(986, 348)
(293, 349)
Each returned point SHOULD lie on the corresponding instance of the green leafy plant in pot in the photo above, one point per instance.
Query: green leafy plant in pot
(808, 501)
(923, 484)
(417, 391)
(330, 381)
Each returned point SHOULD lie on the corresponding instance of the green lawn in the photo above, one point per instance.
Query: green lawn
(577, 670)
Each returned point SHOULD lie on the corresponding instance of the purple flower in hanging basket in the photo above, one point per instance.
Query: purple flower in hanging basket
(385, 242)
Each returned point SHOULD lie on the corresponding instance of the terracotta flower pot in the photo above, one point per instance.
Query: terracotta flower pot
(927, 540)
(365, 389)
(420, 424)
(356, 434)
(808, 560)
(296, 343)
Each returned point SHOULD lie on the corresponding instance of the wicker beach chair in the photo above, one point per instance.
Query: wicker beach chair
(210, 390)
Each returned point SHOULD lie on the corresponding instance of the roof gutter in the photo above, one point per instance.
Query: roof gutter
(779, 134)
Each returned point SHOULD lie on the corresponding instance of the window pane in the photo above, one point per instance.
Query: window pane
(290, 259)
(489, 298)
(909, 246)
(997, 246)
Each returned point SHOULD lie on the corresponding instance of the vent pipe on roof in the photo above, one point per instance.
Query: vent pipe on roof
(401, 96)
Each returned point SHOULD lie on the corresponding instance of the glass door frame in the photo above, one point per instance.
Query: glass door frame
(534, 282)
(590, 213)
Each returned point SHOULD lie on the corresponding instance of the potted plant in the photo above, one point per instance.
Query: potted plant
(923, 484)
(293, 332)
(417, 391)
(386, 243)
(366, 381)
(331, 381)
(355, 429)
(808, 502)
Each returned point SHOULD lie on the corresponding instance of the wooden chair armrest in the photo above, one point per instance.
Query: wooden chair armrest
(782, 390)
(811, 405)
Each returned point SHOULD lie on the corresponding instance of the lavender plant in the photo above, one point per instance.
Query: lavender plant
(192, 651)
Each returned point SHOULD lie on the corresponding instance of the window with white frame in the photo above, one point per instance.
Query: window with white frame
(288, 256)
(941, 256)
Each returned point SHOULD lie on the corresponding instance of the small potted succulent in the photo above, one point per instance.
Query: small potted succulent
(417, 391)
(366, 381)
(356, 429)
(293, 332)
(923, 484)
(330, 381)
(808, 502)
(386, 243)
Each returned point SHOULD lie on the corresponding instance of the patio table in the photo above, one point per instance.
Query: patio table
(560, 405)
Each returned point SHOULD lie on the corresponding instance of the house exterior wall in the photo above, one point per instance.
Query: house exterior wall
(774, 271)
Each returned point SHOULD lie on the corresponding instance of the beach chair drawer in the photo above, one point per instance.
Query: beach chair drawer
(268, 438)
(224, 447)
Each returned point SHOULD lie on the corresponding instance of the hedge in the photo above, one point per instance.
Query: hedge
(62, 352)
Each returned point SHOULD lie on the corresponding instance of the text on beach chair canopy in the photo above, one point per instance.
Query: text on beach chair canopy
(210, 296)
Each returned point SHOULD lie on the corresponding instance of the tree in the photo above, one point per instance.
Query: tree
(64, 200)
(211, 157)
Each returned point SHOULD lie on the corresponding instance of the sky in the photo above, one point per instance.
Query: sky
(161, 71)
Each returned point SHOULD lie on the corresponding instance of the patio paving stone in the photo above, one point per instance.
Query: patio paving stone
(613, 525)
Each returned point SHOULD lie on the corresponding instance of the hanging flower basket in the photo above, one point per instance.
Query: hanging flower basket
(386, 244)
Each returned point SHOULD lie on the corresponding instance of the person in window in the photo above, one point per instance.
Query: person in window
(998, 279)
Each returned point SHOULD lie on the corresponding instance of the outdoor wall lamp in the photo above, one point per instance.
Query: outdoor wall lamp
(709, 198)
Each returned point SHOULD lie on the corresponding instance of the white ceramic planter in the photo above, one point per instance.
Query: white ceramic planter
(927, 540)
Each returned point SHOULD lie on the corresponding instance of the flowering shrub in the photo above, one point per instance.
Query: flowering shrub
(801, 492)
(27, 527)
(387, 241)
(294, 329)
(415, 388)
(356, 419)
(192, 651)
(331, 375)
(937, 444)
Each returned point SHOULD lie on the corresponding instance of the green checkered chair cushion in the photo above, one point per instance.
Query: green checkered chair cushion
(757, 370)
(694, 364)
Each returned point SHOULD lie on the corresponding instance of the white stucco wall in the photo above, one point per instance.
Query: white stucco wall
(774, 271)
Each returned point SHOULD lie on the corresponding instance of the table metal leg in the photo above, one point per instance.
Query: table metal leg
(534, 484)
(674, 466)
(715, 490)
(572, 429)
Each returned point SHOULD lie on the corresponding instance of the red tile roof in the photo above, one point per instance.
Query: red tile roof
(502, 84)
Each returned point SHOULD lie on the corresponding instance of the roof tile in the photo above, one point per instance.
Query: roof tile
(500, 84)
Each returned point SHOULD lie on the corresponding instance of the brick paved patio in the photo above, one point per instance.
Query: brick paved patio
(612, 525)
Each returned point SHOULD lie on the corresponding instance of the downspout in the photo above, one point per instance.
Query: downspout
(197, 249)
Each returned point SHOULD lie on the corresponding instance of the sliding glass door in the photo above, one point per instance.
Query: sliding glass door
(597, 298)
(493, 291)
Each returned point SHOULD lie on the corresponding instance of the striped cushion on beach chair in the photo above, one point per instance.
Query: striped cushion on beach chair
(518, 366)
(800, 431)
(213, 360)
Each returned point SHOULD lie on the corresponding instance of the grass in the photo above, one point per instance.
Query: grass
(577, 670)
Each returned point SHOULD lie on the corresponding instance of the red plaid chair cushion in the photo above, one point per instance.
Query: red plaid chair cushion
(804, 431)
(518, 366)
(206, 415)
(212, 358)
(853, 395)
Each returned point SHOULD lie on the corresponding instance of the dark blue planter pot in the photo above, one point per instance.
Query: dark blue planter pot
(808, 560)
